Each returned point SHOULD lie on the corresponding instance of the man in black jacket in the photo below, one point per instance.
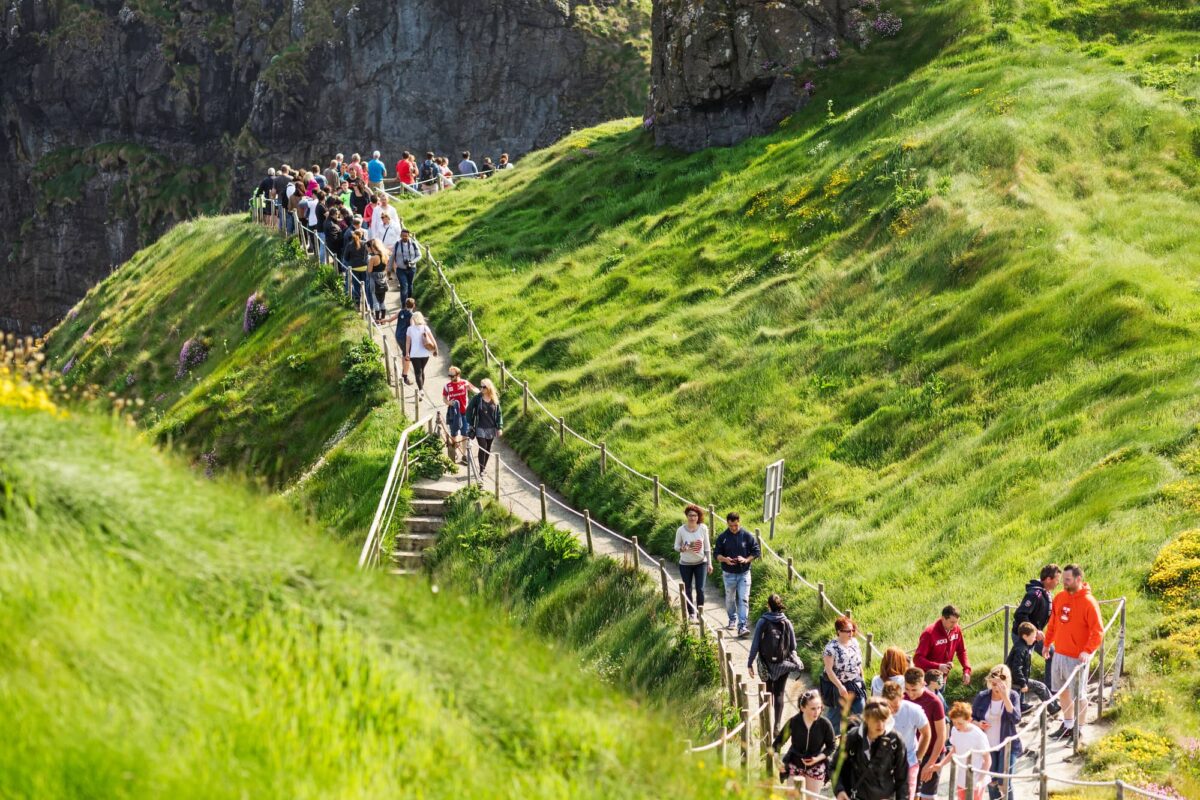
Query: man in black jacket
(873, 762)
(736, 549)
(1035, 608)
(1019, 664)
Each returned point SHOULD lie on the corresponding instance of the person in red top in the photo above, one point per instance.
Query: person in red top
(1074, 632)
(455, 394)
(940, 643)
(404, 168)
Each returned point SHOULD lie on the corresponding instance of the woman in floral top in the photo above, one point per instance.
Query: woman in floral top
(842, 683)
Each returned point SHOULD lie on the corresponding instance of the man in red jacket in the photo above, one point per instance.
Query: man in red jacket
(940, 643)
(1074, 632)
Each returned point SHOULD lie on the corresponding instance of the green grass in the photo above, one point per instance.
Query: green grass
(168, 635)
(613, 618)
(269, 402)
(961, 306)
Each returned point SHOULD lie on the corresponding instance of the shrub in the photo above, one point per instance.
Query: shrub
(257, 311)
(429, 459)
(193, 353)
(1135, 746)
(1176, 572)
(328, 283)
(887, 24)
(364, 368)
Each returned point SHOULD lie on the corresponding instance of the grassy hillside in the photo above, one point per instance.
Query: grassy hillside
(268, 401)
(956, 293)
(167, 635)
(613, 617)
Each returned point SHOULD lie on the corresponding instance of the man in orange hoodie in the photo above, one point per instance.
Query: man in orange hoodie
(1074, 632)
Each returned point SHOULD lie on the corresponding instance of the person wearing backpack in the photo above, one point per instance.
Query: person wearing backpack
(408, 253)
(429, 177)
(403, 320)
(485, 419)
(774, 644)
(874, 761)
(420, 345)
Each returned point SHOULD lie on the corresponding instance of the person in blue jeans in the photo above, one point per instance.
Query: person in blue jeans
(736, 550)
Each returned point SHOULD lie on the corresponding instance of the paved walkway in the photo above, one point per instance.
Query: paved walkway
(520, 495)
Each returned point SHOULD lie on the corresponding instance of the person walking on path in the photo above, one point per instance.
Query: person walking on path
(505, 163)
(695, 558)
(389, 238)
(1074, 632)
(403, 320)
(842, 687)
(774, 644)
(970, 744)
(916, 691)
(1035, 607)
(467, 167)
(940, 643)
(377, 284)
(408, 253)
(376, 172)
(874, 765)
(430, 175)
(404, 169)
(736, 549)
(485, 420)
(813, 743)
(913, 728)
(996, 711)
(420, 346)
(892, 667)
(455, 395)
(333, 176)
(355, 255)
(1020, 662)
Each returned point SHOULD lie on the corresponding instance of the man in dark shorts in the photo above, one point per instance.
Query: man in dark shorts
(935, 712)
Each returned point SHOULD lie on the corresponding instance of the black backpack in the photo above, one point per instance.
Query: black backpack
(771, 646)
(428, 172)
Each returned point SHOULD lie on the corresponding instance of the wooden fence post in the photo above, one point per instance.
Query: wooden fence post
(791, 572)
(820, 596)
(470, 326)
(562, 431)
(496, 473)
(1007, 625)
(870, 641)
(656, 490)
(525, 397)
(542, 490)
(1100, 693)
(603, 457)
(662, 574)
(587, 529)
(487, 357)
(387, 361)
(683, 606)
(503, 377)
(637, 559)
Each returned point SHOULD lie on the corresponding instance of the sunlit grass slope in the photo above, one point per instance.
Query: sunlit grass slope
(269, 401)
(164, 635)
(957, 293)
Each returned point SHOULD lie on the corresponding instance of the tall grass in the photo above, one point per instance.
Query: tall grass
(952, 293)
(167, 635)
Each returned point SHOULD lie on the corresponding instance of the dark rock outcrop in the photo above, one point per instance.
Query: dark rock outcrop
(723, 70)
(119, 117)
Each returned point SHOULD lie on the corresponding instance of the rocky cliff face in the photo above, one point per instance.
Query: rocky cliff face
(723, 70)
(119, 117)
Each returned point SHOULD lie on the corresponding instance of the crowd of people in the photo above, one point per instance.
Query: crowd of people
(894, 735)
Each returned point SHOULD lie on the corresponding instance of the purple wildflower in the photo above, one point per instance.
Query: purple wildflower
(158, 398)
(210, 462)
(887, 24)
(193, 353)
(809, 88)
(129, 379)
(70, 365)
(88, 333)
(1164, 790)
(256, 312)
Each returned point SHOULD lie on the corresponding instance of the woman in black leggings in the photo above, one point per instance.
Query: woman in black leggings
(485, 419)
(416, 350)
(774, 644)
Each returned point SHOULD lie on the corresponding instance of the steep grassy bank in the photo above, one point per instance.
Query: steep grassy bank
(167, 635)
(268, 401)
(611, 617)
(955, 293)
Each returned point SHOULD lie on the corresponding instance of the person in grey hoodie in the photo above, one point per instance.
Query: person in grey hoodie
(695, 558)
(774, 644)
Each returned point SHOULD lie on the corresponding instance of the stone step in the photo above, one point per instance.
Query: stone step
(431, 491)
(424, 507)
(415, 541)
(406, 557)
(423, 524)
(403, 571)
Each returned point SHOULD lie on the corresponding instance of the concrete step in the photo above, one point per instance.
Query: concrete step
(415, 541)
(405, 558)
(423, 507)
(424, 524)
(431, 491)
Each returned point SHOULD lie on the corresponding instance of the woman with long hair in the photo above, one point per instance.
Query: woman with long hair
(357, 258)
(485, 419)
(417, 349)
(997, 711)
(813, 744)
(891, 668)
(774, 644)
(376, 265)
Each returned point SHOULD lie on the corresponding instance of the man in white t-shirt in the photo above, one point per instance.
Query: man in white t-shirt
(910, 722)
